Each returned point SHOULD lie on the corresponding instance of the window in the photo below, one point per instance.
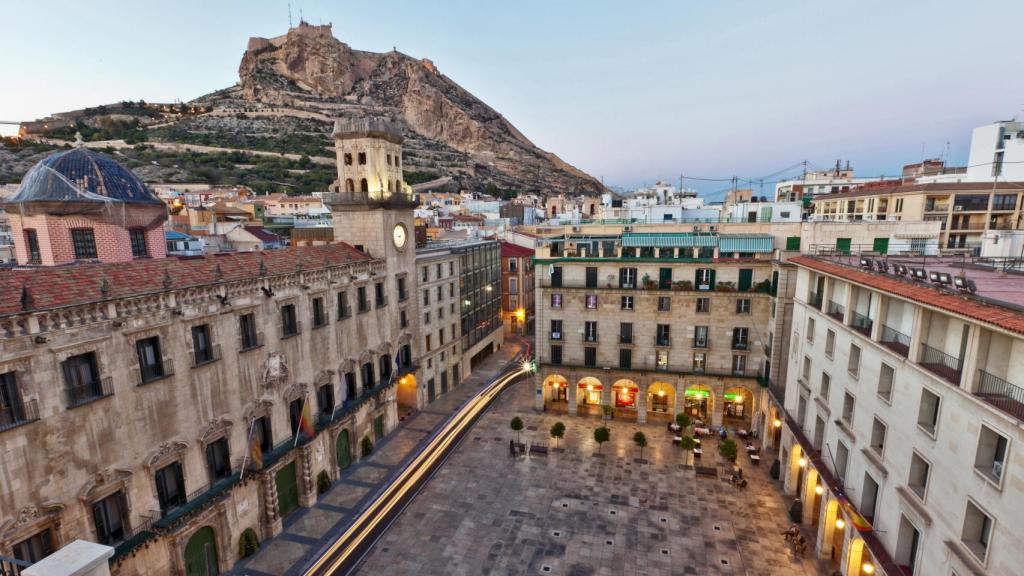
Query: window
(556, 277)
(451, 268)
(362, 158)
(830, 343)
(627, 277)
(351, 388)
(325, 399)
(810, 330)
(739, 364)
(362, 300)
(826, 385)
(869, 498)
(591, 277)
(842, 457)
(590, 357)
(12, 409)
(878, 430)
(110, 517)
(402, 294)
(805, 370)
(556, 300)
(319, 315)
(262, 433)
(424, 271)
(36, 548)
(437, 270)
(664, 303)
(426, 342)
(426, 317)
(991, 455)
(151, 364)
(590, 331)
(703, 305)
(426, 297)
(977, 530)
(82, 379)
(739, 339)
(84, 243)
(591, 301)
(848, 405)
(625, 359)
(919, 472)
(556, 354)
(705, 279)
(661, 360)
(886, 377)
(386, 363)
(699, 362)
(513, 265)
(247, 328)
(440, 337)
(368, 375)
(627, 303)
(556, 329)
(137, 236)
(743, 305)
(854, 364)
(793, 244)
(664, 335)
(380, 297)
(218, 459)
(170, 486)
(32, 242)
(625, 332)
(348, 159)
(289, 325)
(928, 412)
(344, 310)
(513, 286)
(906, 545)
(700, 336)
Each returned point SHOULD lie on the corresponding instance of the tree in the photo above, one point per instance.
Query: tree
(602, 435)
(683, 420)
(687, 444)
(640, 440)
(516, 425)
(727, 448)
(557, 432)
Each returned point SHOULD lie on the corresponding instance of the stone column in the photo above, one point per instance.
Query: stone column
(677, 399)
(538, 395)
(718, 405)
(79, 558)
(641, 406)
(970, 361)
(307, 484)
(917, 335)
(570, 397)
(272, 524)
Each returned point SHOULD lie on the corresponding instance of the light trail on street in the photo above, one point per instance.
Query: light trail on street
(342, 555)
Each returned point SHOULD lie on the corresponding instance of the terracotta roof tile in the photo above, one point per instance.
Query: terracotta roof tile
(55, 287)
(509, 249)
(1000, 316)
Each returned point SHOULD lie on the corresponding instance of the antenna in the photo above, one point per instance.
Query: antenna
(289, 15)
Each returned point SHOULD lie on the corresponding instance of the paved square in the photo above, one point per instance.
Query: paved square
(574, 513)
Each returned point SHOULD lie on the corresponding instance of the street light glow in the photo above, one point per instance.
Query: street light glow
(802, 462)
(777, 423)
(868, 568)
(840, 523)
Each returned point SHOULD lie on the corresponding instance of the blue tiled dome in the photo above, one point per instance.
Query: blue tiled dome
(82, 175)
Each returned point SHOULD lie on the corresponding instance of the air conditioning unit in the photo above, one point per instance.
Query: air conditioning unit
(627, 228)
(958, 208)
(696, 228)
(712, 228)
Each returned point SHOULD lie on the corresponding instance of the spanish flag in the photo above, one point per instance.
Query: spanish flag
(306, 421)
(255, 452)
(859, 522)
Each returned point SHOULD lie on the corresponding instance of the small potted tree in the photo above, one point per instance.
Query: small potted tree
(557, 432)
(727, 448)
(602, 435)
(640, 439)
(516, 425)
(687, 444)
(683, 420)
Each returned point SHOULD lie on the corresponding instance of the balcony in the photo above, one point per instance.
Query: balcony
(12, 566)
(211, 354)
(862, 324)
(364, 306)
(81, 394)
(662, 341)
(836, 311)
(17, 414)
(625, 338)
(815, 299)
(590, 337)
(1004, 395)
(896, 341)
(740, 345)
(947, 367)
(556, 336)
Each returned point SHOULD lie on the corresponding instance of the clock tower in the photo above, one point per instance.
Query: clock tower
(372, 209)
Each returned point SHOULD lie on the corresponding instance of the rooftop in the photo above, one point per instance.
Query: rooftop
(998, 298)
(509, 249)
(972, 187)
(31, 289)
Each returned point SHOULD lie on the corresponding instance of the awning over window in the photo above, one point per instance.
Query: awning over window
(668, 240)
(730, 243)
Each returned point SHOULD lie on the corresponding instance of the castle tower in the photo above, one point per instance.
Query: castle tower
(369, 160)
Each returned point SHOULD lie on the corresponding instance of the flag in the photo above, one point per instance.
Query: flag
(306, 421)
(398, 363)
(255, 452)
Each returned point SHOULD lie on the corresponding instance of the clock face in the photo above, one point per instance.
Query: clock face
(399, 235)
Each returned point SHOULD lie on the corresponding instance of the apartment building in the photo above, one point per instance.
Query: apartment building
(965, 210)
(517, 300)
(438, 274)
(903, 413)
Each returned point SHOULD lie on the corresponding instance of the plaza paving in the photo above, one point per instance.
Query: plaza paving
(308, 529)
(572, 513)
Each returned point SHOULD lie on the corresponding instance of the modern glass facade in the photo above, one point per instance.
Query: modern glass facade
(480, 283)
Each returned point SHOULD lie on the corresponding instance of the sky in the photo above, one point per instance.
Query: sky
(630, 92)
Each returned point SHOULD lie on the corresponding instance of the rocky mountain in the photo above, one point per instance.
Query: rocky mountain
(310, 75)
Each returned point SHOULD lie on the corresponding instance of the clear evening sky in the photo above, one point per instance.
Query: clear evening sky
(631, 91)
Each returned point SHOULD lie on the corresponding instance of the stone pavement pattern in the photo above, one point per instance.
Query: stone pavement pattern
(574, 514)
(307, 529)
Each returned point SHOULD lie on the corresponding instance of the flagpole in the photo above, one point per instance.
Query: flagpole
(301, 415)
(248, 443)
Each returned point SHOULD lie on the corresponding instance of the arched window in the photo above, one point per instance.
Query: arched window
(348, 159)
(350, 186)
(389, 159)
(398, 185)
(398, 162)
(389, 186)
(362, 158)
(364, 186)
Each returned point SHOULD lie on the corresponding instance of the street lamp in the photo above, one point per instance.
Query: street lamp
(802, 462)
(819, 490)
(777, 423)
(527, 366)
(868, 568)
(840, 523)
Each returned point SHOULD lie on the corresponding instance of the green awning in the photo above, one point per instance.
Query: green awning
(728, 243)
(668, 240)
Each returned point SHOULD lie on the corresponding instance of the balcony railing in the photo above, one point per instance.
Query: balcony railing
(896, 341)
(662, 341)
(1002, 394)
(815, 300)
(17, 414)
(556, 335)
(836, 311)
(861, 323)
(590, 337)
(84, 393)
(740, 344)
(625, 338)
(12, 566)
(936, 361)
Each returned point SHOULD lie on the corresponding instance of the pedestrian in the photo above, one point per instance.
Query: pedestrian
(512, 448)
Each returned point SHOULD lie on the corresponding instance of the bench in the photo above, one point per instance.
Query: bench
(709, 471)
(539, 449)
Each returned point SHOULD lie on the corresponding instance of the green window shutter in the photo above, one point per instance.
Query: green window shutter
(712, 278)
(881, 245)
(746, 279)
(843, 245)
(793, 244)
